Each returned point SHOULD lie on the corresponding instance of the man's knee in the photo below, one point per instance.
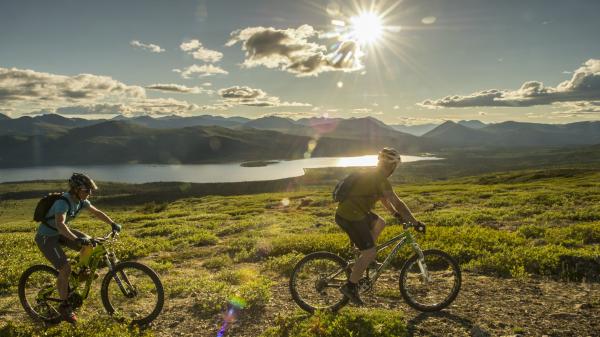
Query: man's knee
(369, 253)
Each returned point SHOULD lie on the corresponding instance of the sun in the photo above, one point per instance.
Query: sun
(366, 28)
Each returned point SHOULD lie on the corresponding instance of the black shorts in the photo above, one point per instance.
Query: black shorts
(51, 247)
(359, 231)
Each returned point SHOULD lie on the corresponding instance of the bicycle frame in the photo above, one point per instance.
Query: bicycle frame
(99, 253)
(399, 240)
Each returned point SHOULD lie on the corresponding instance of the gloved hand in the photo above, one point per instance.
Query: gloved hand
(420, 227)
(115, 227)
(84, 240)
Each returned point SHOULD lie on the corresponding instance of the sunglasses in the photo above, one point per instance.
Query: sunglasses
(86, 190)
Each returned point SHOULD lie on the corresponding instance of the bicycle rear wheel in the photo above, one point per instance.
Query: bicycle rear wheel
(38, 293)
(316, 280)
(430, 284)
(133, 291)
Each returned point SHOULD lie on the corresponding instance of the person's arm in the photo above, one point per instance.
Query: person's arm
(59, 222)
(393, 204)
(100, 215)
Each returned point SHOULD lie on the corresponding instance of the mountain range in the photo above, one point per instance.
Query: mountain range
(53, 139)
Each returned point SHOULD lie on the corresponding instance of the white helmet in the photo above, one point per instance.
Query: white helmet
(389, 155)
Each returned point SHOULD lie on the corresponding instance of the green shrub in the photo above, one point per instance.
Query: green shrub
(346, 323)
(217, 262)
(284, 264)
(96, 327)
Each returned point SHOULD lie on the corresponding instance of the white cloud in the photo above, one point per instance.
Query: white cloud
(153, 48)
(177, 88)
(243, 95)
(584, 85)
(581, 109)
(361, 111)
(195, 48)
(24, 85)
(290, 50)
(190, 45)
(200, 71)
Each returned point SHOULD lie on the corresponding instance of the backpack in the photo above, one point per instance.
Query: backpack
(342, 189)
(44, 205)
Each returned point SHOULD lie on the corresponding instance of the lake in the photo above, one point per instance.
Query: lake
(200, 173)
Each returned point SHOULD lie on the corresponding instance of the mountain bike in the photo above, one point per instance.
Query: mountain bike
(130, 290)
(429, 280)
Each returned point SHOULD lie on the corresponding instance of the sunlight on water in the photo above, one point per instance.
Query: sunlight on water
(357, 161)
(194, 173)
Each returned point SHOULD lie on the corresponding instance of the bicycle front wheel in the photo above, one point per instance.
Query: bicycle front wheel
(432, 283)
(38, 293)
(316, 280)
(134, 292)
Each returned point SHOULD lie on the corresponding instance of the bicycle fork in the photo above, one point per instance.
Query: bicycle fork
(421, 263)
(127, 289)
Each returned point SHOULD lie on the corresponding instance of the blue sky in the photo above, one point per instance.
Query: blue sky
(532, 61)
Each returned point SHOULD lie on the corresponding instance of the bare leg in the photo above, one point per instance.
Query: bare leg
(62, 282)
(378, 227)
(366, 256)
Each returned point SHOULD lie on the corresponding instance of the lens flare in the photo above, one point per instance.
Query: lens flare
(235, 304)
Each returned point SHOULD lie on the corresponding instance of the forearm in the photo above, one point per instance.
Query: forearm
(404, 212)
(102, 216)
(65, 231)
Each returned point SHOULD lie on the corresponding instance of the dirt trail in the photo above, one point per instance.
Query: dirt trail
(486, 306)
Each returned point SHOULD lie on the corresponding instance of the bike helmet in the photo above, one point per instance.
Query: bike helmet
(80, 180)
(389, 155)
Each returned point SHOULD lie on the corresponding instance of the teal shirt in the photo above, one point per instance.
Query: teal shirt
(61, 206)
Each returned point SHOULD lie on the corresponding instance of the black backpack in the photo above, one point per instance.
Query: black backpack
(44, 205)
(343, 187)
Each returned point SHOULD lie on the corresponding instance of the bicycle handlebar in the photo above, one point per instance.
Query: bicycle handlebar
(101, 240)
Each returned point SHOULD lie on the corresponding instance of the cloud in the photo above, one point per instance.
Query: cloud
(289, 50)
(195, 48)
(201, 71)
(243, 95)
(584, 85)
(24, 85)
(150, 47)
(579, 109)
(291, 114)
(177, 88)
(142, 107)
(361, 111)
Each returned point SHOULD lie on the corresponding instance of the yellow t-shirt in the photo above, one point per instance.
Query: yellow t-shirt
(366, 190)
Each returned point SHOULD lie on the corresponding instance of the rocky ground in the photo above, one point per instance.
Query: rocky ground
(486, 306)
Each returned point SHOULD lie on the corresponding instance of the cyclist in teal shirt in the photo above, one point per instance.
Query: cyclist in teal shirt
(54, 233)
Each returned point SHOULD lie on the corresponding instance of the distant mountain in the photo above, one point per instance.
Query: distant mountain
(174, 122)
(473, 124)
(415, 130)
(516, 134)
(272, 123)
(3, 117)
(116, 142)
(41, 125)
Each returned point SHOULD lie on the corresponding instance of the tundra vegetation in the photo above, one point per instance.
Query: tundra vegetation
(513, 225)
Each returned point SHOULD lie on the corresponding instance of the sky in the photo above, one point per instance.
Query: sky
(402, 62)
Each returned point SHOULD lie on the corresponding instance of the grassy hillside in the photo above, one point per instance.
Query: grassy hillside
(524, 225)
